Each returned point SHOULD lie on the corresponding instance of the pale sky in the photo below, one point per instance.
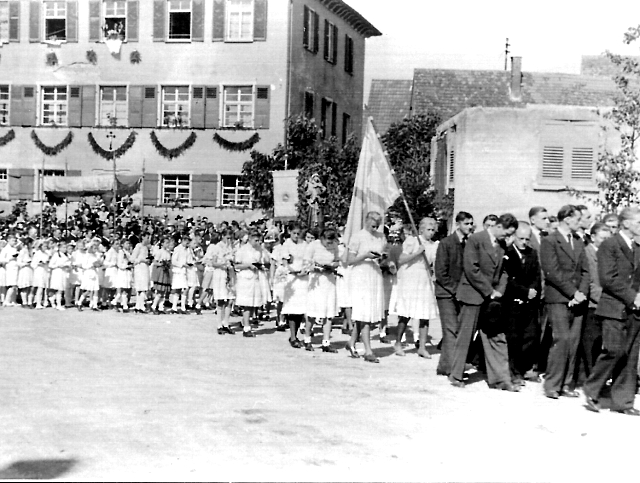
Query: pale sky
(550, 36)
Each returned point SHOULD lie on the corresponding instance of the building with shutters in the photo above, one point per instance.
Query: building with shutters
(210, 78)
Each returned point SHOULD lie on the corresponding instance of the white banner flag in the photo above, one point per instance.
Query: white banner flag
(285, 193)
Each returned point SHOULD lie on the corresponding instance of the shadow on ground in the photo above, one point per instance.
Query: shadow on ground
(37, 469)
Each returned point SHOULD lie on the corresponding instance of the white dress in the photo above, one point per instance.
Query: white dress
(60, 265)
(224, 281)
(296, 286)
(40, 265)
(322, 300)
(249, 290)
(124, 276)
(343, 287)
(179, 260)
(9, 256)
(110, 268)
(277, 259)
(89, 279)
(140, 260)
(25, 272)
(366, 284)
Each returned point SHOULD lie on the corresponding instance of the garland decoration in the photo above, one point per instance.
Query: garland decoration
(175, 152)
(7, 138)
(116, 153)
(241, 146)
(52, 150)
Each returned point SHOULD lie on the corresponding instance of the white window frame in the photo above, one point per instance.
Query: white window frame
(329, 37)
(38, 186)
(56, 16)
(240, 10)
(224, 103)
(168, 24)
(7, 107)
(5, 21)
(221, 192)
(55, 102)
(161, 187)
(106, 16)
(176, 103)
(4, 184)
(100, 101)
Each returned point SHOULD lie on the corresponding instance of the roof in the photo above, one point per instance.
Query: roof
(353, 18)
(449, 91)
(389, 102)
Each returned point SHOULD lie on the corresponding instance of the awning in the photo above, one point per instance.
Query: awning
(68, 186)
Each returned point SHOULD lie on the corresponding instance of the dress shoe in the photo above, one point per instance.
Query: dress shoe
(281, 328)
(505, 386)
(296, 344)
(552, 394)
(383, 340)
(248, 333)
(628, 411)
(371, 358)
(569, 393)
(227, 330)
(591, 404)
(308, 347)
(455, 383)
(220, 331)
(329, 348)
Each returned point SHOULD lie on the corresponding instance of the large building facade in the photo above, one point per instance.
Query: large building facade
(213, 78)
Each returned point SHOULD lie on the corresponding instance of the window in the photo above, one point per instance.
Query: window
(238, 106)
(239, 20)
(115, 19)
(347, 128)
(4, 105)
(54, 106)
(114, 108)
(4, 184)
(38, 186)
(175, 106)
(348, 54)
(179, 19)
(4, 22)
(310, 33)
(328, 118)
(176, 188)
(308, 105)
(55, 20)
(330, 42)
(234, 191)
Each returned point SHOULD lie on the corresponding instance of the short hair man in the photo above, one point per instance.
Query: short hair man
(539, 220)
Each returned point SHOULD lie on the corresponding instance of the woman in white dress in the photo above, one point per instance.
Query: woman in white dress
(322, 259)
(89, 283)
(9, 257)
(294, 306)
(60, 265)
(250, 259)
(41, 272)
(224, 279)
(367, 292)
(124, 277)
(25, 273)
(415, 291)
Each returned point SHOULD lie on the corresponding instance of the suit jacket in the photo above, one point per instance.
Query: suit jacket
(565, 270)
(535, 243)
(595, 289)
(448, 266)
(482, 270)
(616, 266)
(523, 274)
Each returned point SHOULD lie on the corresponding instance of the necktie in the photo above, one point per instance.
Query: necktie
(464, 241)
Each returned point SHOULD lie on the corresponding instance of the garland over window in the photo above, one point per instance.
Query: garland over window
(49, 150)
(116, 153)
(175, 152)
(7, 138)
(241, 146)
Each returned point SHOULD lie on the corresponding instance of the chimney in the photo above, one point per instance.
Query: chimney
(516, 78)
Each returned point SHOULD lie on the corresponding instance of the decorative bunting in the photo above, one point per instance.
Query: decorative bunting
(116, 153)
(175, 152)
(241, 146)
(55, 150)
(7, 138)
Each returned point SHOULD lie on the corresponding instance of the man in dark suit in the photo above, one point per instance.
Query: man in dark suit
(619, 272)
(448, 271)
(539, 219)
(482, 284)
(521, 302)
(566, 276)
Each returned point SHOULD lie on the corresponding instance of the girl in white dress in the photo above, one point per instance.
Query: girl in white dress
(224, 279)
(294, 306)
(89, 283)
(365, 254)
(77, 260)
(60, 265)
(140, 260)
(322, 258)
(193, 275)
(278, 278)
(180, 259)
(25, 273)
(124, 276)
(110, 266)
(250, 259)
(415, 291)
(41, 272)
(9, 256)
(206, 287)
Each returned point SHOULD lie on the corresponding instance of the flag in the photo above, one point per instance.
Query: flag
(375, 188)
(285, 193)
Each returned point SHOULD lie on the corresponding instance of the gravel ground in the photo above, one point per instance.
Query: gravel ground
(108, 396)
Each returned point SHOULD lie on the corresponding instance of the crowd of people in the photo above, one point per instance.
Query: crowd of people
(548, 300)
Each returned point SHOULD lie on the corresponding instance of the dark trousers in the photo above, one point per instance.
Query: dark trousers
(449, 310)
(523, 337)
(545, 338)
(566, 326)
(590, 345)
(618, 360)
(494, 345)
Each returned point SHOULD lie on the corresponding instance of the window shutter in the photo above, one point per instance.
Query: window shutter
(261, 117)
(552, 162)
(133, 16)
(14, 183)
(149, 107)
(305, 33)
(150, 195)
(135, 106)
(197, 16)
(29, 106)
(212, 108)
(25, 184)
(16, 114)
(335, 44)
(34, 21)
(14, 21)
(218, 20)
(260, 20)
(203, 188)
(452, 165)
(582, 164)
(348, 54)
(95, 21)
(326, 40)
(334, 119)
(88, 118)
(197, 107)
(72, 20)
(75, 106)
(316, 32)
(159, 20)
